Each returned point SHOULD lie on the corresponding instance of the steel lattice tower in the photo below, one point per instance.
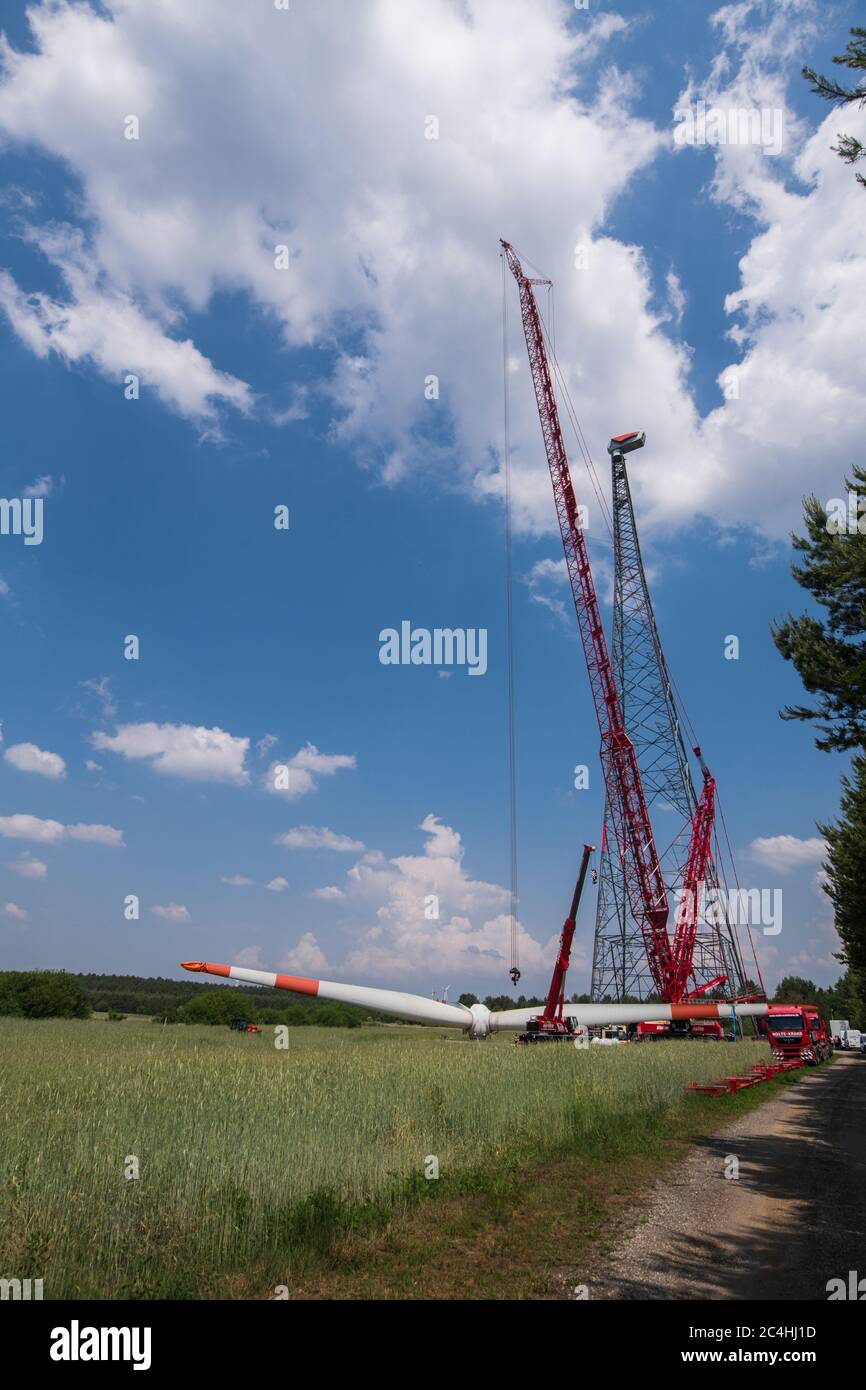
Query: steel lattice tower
(620, 969)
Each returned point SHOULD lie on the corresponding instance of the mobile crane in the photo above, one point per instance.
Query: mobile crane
(670, 963)
(551, 1025)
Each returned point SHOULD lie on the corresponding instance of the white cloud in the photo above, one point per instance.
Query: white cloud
(95, 834)
(399, 937)
(303, 769)
(796, 330)
(181, 750)
(52, 832)
(278, 884)
(307, 957)
(317, 837)
(24, 827)
(236, 880)
(5, 591)
(40, 487)
(786, 852)
(175, 912)
(351, 187)
(106, 327)
(91, 766)
(676, 296)
(251, 957)
(329, 894)
(102, 690)
(26, 866)
(28, 758)
(547, 582)
(351, 198)
(18, 914)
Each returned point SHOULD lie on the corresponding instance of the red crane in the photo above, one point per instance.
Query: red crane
(551, 1023)
(694, 878)
(670, 963)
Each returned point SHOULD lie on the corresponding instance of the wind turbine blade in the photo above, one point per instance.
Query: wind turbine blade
(412, 1007)
(595, 1015)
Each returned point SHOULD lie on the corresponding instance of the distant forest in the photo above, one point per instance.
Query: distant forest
(57, 993)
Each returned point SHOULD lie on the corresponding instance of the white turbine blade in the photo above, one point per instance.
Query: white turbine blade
(596, 1015)
(592, 1015)
(412, 1007)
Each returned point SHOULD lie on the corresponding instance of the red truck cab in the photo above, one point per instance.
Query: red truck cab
(797, 1031)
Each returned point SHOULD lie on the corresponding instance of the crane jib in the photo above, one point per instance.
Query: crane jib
(630, 814)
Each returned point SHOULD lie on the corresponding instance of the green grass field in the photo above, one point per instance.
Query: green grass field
(254, 1161)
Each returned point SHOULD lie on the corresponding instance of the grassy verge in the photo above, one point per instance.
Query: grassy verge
(535, 1233)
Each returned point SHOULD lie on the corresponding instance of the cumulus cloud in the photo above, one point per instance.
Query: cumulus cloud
(27, 866)
(251, 957)
(317, 837)
(18, 914)
(180, 750)
(306, 957)
(331, 893)
(52, 832)
(236, 880)
(793, 379)
(298, 775)
(419, 915)
(174, 912)
(106, 327)
(95, 834)
(28, 758)
(786, 852)
(351, 200)
(278, 884)
(350, 191)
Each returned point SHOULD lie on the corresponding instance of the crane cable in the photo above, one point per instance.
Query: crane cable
(514, 970)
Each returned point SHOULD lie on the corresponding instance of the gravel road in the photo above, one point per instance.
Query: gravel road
(794, 1218)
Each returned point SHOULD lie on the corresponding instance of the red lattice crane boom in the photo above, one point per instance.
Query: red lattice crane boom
(694, 878)
(629, 813)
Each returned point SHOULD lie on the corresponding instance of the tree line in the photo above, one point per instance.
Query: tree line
(60, 994)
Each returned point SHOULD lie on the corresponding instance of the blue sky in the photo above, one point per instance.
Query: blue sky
(306, 389)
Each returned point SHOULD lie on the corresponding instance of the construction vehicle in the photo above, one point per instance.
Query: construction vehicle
(670, 961)
(796, 1032)
(553, 1025)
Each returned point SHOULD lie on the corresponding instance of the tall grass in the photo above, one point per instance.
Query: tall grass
(251, 1157)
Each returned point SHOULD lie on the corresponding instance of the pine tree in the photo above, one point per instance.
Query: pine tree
(846, 869)
(849, 148)
(829, 654)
